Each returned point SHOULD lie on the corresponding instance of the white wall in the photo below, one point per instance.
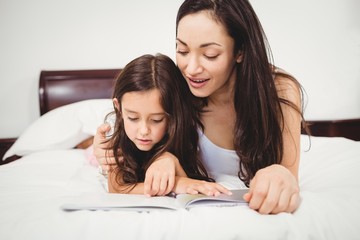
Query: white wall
(317, 41)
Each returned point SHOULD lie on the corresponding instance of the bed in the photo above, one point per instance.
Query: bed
(50, 168)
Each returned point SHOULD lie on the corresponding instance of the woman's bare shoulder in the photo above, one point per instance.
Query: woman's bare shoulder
(286, 85)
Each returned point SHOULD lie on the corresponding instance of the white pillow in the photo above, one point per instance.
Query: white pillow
(62, 128)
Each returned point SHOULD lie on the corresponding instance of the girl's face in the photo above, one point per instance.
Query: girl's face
(205, 55)
(144, 118)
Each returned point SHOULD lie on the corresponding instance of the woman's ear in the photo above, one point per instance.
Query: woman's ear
(239, 57)
(116, 104)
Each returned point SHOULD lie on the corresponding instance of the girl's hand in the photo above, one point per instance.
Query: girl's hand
(160, 176)
(104, 157)
(274, 189)
(193, 186)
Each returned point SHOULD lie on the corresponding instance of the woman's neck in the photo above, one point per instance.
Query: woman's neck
(224, 96)
(220, 101)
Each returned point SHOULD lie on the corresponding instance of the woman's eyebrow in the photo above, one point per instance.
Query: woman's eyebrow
(182, 42)
(209, 44)
(202, 45)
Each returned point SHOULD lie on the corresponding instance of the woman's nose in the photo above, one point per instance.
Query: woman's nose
(193, 67)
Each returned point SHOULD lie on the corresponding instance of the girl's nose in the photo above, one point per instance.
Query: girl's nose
(144, 129)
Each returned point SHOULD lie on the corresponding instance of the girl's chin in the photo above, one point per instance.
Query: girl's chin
(144, 148)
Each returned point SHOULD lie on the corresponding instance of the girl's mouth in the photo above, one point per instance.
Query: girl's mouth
(144, 141)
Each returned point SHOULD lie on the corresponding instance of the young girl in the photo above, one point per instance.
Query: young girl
(154, 121)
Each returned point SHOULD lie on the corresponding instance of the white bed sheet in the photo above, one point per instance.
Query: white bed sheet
(33, 188)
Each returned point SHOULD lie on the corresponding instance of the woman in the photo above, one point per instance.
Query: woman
(250, 110)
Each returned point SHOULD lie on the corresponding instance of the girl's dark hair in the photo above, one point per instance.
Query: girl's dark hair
(146, 73)
(259, 119)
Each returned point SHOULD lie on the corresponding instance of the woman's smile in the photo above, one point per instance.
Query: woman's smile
(198, 82)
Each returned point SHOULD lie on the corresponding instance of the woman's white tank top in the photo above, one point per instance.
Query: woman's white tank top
(217, 160)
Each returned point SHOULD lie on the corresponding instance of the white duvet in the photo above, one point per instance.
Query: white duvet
(33, 188)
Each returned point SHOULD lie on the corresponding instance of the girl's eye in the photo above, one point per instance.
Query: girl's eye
(132, 119)
(157, 120)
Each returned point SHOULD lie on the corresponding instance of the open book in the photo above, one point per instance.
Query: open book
(111, 201)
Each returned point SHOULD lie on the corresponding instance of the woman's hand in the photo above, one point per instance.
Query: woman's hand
(160, 176)
(104, 157)
(194, 186)
(274, 189)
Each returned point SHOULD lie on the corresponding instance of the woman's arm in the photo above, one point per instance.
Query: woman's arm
(275, 189)
(289, 90)
(104, 156)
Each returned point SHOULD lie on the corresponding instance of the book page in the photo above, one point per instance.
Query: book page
(137, 202)
(113, 201)
(189, 201)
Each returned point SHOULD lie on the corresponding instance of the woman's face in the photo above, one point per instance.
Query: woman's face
(205, 55)
(144, 118)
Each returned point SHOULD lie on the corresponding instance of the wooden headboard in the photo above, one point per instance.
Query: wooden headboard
(58, 88)
(61, 87)
(348, 128)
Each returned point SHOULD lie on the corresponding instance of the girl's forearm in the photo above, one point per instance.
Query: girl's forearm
(115, 186)
(179, 171)
(126, 189)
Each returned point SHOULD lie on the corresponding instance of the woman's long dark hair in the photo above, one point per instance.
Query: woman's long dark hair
(259, 119)
(157, 72)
